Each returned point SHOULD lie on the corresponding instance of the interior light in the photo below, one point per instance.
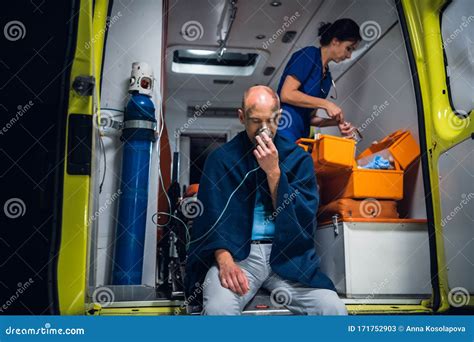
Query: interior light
(201, 52)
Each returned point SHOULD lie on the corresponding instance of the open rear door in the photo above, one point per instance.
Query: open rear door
(437, 34)
(84, 100)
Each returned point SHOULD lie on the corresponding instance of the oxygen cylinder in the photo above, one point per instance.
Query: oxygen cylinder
(138, 134)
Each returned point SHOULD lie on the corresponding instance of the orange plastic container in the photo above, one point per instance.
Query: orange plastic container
(330, 154)
(401, 145)
(339, 178)
(362, 183)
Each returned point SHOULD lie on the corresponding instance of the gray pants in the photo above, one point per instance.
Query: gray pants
(294, 296)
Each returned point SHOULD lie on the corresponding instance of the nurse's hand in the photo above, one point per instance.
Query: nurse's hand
(334, 111)
(346, 128)
(232, 277)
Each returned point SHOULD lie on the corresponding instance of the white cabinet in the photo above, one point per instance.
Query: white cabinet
(376, 259)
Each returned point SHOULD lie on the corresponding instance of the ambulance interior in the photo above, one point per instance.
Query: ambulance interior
(371, 261)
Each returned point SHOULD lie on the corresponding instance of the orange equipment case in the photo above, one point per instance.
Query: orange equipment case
(340, 177)
(353, 208)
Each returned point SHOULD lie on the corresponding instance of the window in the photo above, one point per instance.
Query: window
(457, 29)
(207, 62)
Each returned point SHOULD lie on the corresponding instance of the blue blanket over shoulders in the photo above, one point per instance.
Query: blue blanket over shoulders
(293, 254)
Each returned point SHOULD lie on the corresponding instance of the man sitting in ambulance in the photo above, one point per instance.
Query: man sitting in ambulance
(260, 201)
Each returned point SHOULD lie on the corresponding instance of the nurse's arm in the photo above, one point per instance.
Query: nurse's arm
(323, 122)
(291, 95)
(345, 128)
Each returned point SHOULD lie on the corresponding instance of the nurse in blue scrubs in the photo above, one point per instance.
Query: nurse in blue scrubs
(306, 81)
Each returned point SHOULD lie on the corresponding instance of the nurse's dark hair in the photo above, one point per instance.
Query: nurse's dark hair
(343, 29)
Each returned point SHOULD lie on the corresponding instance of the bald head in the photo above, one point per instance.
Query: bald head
(260, 110)
(260, 97)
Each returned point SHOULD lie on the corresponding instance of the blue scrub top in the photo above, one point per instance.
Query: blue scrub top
(306, 65)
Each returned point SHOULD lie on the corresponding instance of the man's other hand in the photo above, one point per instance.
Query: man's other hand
(230, 274)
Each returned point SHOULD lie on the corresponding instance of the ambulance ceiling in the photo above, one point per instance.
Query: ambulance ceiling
(201, 19)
